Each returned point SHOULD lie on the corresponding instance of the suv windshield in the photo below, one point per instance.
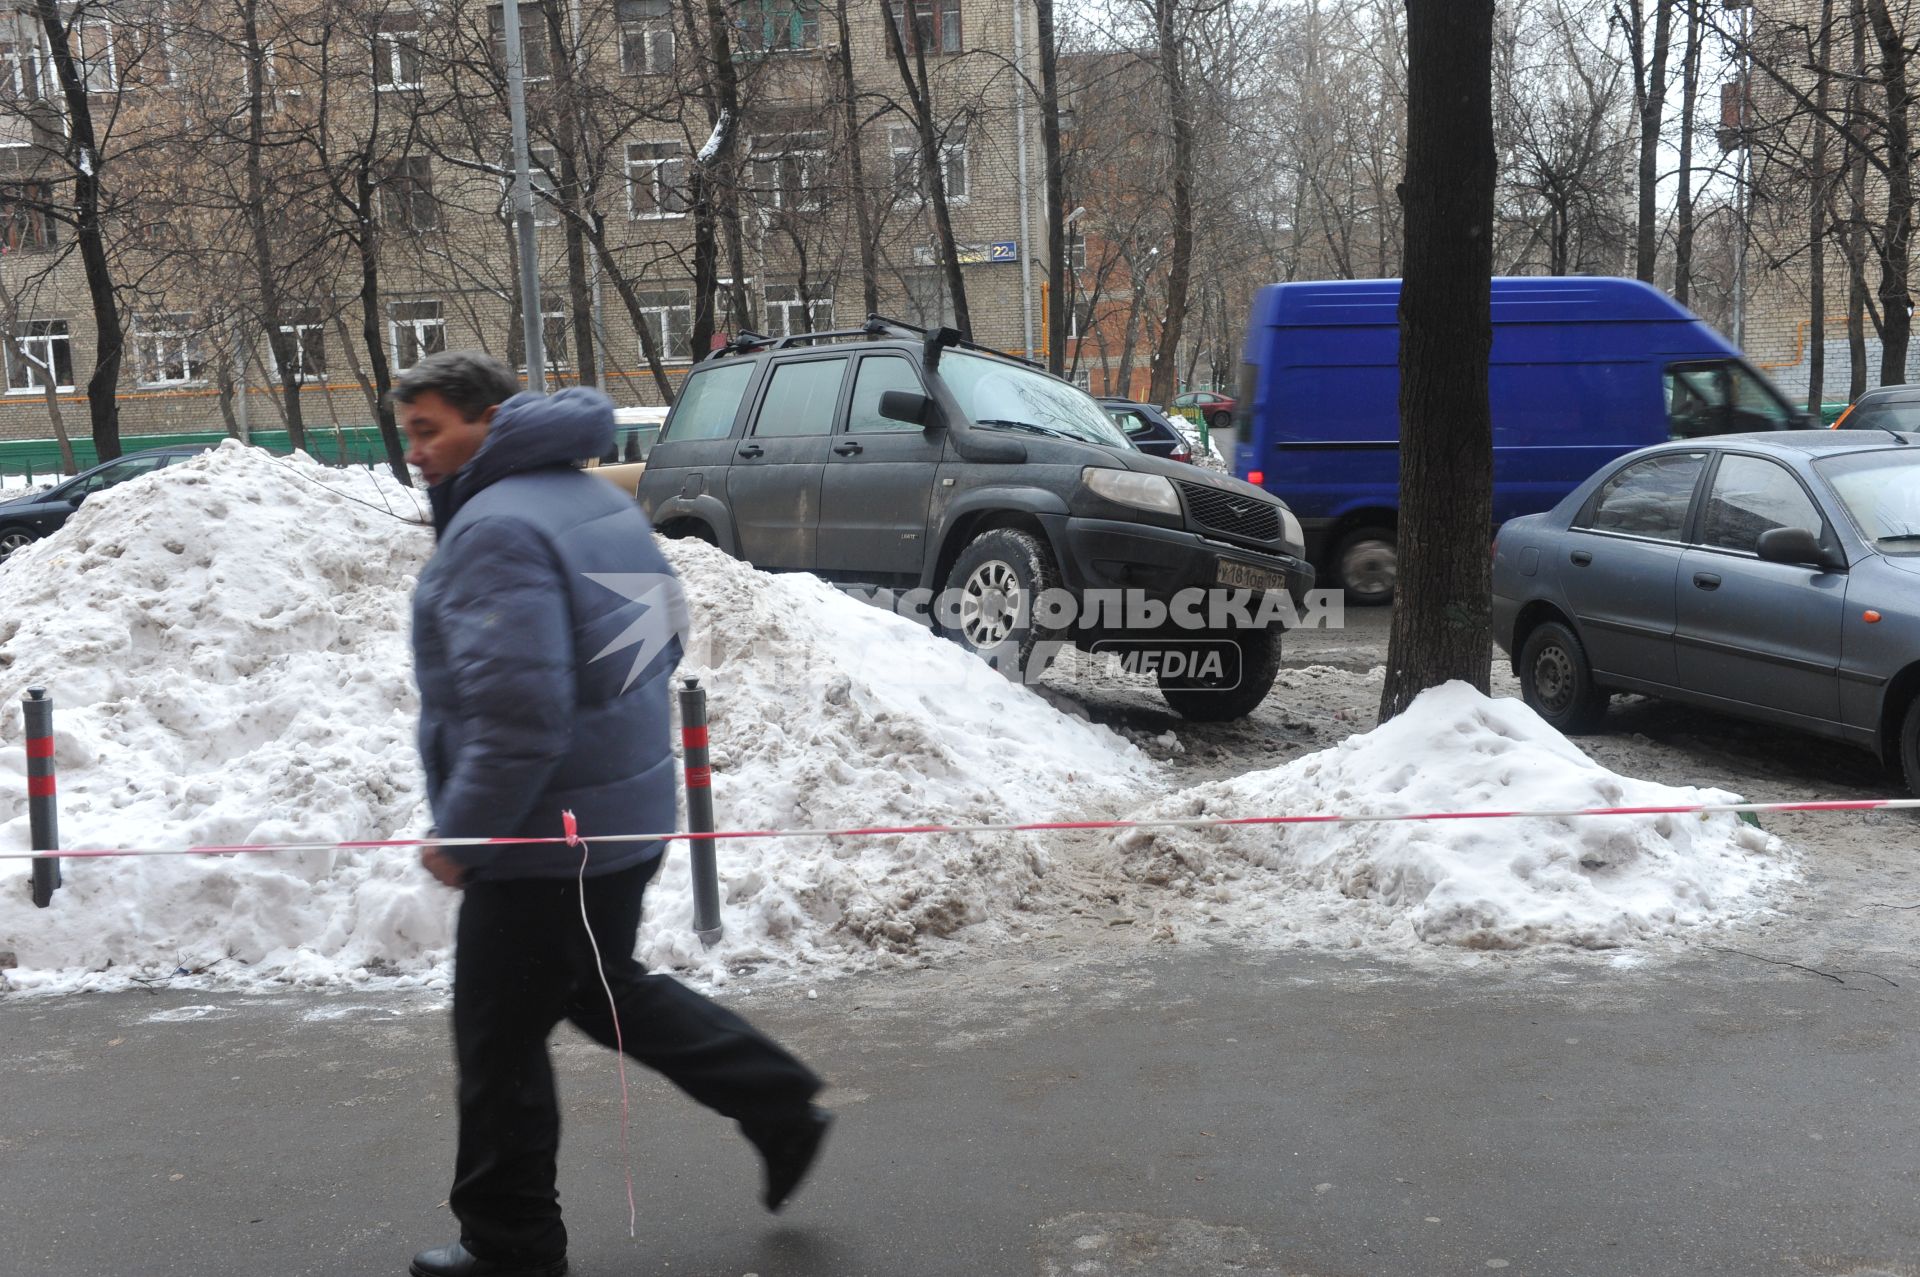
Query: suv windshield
(1010, 397)
(1881, 491)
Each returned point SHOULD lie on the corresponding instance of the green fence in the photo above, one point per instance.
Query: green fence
(40, 458)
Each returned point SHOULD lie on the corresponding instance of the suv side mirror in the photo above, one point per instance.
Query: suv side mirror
(1793, 545)
(906, 405)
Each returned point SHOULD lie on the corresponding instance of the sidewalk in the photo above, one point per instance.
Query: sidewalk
(1157, 1111)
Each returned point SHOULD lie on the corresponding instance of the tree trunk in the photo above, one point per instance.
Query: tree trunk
(1058, 267)
(920, 100)
(1442, 627)
(630, 298)
(286, 362)
(83, 153)
(856, 166)
(567, 145)
(1683, 204)
(370, 307)
(1180, 260)
(1896, 318)
(1652, 95)
(1817, 216)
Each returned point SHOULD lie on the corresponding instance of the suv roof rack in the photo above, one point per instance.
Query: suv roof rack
(877, 326)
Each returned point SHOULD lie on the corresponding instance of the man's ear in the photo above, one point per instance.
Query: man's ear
(486, 418)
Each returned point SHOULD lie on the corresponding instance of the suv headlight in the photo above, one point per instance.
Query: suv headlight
(1290, 532)
(1126, 487)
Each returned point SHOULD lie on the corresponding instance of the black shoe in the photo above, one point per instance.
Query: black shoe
(789, 1151)
(454, 1261)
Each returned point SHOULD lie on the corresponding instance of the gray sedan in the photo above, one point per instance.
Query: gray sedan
(1771, 576)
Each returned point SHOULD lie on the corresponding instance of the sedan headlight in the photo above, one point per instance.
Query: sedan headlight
(1126, 487)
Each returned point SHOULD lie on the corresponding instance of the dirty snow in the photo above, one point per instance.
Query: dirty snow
(1507, 884)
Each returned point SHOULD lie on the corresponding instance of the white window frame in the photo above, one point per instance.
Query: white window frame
(406, 196)
(419, 326)
(649, 30)
(541, 163)
(918, 191)
(665, 311)
(553, 311)
(88, 67)
(23, 64)
(16, 360)
(789, 308)
(660, 187)
(809, 161)
(390, 44)
(158, 335)
(298, 330)
(532, 14)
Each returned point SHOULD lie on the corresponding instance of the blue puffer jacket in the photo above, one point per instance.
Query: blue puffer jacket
(521, 716)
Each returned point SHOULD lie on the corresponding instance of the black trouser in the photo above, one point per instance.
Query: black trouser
(522, 963)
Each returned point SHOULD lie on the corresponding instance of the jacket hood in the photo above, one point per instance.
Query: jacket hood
(529, 432)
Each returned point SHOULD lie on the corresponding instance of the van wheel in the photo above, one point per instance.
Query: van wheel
(1557, 682)
(1910, 747)
(1259, 666)
(991, 593)
(1366, 564)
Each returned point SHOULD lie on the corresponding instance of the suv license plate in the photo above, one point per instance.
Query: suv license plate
(1247, 576)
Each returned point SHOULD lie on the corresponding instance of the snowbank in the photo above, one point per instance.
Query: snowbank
(1508, 884)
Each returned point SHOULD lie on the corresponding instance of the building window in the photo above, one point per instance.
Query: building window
(779, 26)
(656, 180)
(542, 162)
(37, 346)
(306, 334)
(646, 37)
(19, 62)
(908, 183)
(407, 201)
(1076, 251)
(789, 173)
(553, 334)
(936, 25)
(668, 316)
(535, 52)
(927, 304)
(416, 330)
(167, 349)
(26, 222)
(397, 57)
(94, 56)
(788, 314)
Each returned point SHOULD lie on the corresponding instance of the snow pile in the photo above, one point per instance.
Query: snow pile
(225, 645)
(1497, 884)
(828, 712)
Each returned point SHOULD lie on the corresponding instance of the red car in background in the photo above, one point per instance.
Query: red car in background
(1216, 408)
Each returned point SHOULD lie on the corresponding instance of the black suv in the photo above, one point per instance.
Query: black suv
(1002, 497)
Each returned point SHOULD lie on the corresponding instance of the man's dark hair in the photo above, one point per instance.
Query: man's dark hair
(470, 381)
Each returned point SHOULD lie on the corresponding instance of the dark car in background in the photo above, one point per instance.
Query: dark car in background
(1775, 577)
(1148, 429)
(26, 519)
(1885, 408)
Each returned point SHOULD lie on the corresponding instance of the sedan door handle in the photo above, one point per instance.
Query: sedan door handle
(752, 450)
(848, 449)
(1706, 580)
(1581, 558)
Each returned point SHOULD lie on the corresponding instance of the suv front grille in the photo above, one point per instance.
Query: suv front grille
(1231, 513)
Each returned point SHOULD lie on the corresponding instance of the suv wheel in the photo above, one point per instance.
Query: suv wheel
(993, 588)
(1910, 747)
(1259, 666)
(1557, 683)
(1366, 564)
(13, 539)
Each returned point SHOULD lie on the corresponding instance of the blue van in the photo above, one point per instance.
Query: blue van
(1582, 371)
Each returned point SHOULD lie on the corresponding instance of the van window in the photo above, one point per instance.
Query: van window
(707, 403)
(1648, 498)
(800, 399)
(1720, 398)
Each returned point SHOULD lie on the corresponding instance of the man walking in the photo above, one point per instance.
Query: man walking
(519, 722)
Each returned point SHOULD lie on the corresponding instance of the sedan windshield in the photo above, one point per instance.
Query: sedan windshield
(1007, 396)
(1881, 492)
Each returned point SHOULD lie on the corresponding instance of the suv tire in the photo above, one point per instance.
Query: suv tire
(1557, 682)
(1259, 666)
(995, 584)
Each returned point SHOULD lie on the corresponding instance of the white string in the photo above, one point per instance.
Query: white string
(619, 1044)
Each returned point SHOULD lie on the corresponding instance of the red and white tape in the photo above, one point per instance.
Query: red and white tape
(1051, 826)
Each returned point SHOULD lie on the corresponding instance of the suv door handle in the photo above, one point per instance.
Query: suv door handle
(1706, 580)
(1581, 558)
(752, 450)
(848, 448)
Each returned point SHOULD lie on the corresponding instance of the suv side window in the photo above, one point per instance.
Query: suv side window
(707, 403)
(1750, 496)
(1647, 499)
(801, 399)
(879, 374)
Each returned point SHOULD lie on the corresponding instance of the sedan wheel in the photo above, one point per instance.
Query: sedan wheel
(14, 539)
(1557, 682)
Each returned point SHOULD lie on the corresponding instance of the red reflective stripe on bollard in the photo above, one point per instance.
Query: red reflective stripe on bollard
(39, 786)
(699, 777)
(40, 747)
(693, 737)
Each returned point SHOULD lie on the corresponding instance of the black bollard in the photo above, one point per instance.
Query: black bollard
(43, 817)
(706, 873)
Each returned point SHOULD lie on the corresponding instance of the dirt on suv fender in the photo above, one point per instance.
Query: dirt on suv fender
(980, 495)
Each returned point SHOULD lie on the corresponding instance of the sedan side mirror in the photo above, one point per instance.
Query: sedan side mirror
(906, 405)
(1794, 545)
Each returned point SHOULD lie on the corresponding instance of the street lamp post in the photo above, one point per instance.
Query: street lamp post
(528, 237)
